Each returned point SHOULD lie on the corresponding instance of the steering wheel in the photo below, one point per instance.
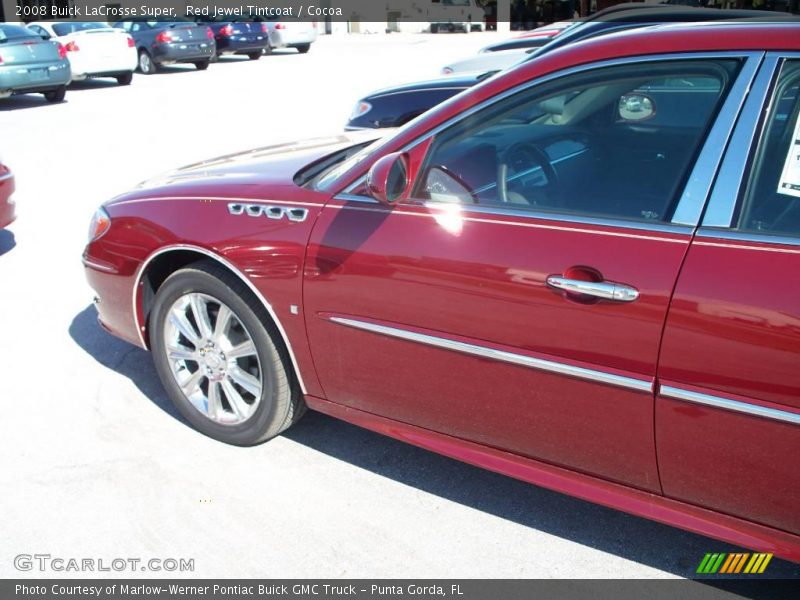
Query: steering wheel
(518, 159)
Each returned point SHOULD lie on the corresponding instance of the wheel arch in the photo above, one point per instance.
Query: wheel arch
(160, 264)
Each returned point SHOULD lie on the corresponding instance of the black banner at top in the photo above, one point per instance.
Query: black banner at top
(479, 14)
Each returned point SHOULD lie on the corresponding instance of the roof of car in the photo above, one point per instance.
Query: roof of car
(666, 38)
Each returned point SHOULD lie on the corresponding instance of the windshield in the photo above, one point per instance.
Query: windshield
(67, 28)
(329, 170)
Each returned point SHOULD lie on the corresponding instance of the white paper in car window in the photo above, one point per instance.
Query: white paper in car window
(789, 183)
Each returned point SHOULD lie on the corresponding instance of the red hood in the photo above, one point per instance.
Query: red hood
(247, 174)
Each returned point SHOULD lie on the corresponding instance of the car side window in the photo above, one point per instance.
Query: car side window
(39, 31)
(125, 25)
(771, 203)
(616, 142)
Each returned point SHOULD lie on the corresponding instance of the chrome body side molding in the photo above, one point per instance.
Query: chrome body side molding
(639, 385)
(731, 405)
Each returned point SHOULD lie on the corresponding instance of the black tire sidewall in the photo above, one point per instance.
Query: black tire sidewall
(276, 390)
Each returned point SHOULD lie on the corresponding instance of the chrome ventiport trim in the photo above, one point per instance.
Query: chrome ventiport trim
(4, 176)
(732, 405)
(730, 180)
(640, 385)
(235, 271)
(297, 215)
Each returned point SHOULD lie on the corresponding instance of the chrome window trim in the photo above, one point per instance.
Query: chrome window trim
(5, 176)
(746, 236)
(731, 179)
(233, 269)
(639, 385)
(703, 175)
(472, 211)
(730, 405)
(695, 192)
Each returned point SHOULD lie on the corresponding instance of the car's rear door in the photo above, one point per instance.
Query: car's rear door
(728, 410)
(458, 311)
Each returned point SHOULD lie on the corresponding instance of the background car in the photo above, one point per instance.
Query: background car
(574, 265)
(93, 49)
(29, 64)
(455, 15)
(493, 61)
(7, 214)
(239, 37)
(169, 42)
(389, 107)
(531, 39)
(290, 34)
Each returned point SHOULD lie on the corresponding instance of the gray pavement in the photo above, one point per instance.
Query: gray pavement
(95, 463)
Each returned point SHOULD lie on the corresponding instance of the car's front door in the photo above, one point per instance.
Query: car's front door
(517, 297)
(728, 411)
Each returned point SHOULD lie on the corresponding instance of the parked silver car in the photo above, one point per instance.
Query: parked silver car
(290, 34)
(29, 64)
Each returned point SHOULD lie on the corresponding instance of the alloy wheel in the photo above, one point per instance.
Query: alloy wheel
(213, 358)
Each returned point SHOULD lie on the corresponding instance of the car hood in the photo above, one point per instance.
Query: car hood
(247, 174)
(489, 61)
(442, 82)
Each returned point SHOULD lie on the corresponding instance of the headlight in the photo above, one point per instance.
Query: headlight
(361, 109)
(99, 225)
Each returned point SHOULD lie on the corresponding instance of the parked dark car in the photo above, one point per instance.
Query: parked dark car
(394, 106)
(31, 65)
(579, 274)
(239, 37)
(169, 42)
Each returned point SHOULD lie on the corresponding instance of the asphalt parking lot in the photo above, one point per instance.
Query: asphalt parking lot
(97, 464)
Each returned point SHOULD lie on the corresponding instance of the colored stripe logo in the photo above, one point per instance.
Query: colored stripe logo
(734, 563)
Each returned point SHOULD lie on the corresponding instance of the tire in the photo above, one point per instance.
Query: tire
(280, 403)
(202, 65)
(254, 55)
(303, 48)
(146, 64)
(434, 29)
(56, 95)
(124, 79)
(268, 49)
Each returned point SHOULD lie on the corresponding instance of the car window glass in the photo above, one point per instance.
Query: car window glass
(772, 198)
(67, 28)
(14, 32)
(613, 142)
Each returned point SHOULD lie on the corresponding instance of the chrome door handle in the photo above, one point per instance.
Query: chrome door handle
(606, 290)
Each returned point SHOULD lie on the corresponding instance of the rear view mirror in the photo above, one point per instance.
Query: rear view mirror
(387, 180)
(636, 107)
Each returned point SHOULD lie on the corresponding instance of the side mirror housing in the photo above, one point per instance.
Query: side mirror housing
(388, 180)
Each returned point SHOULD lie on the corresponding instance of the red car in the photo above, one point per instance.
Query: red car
(580, 273)
(7, 215)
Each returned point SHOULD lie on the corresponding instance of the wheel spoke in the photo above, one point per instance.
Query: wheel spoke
(247, 348)
(191, 384)
(181, 352)
(239, 406)
(182, 324)
(200, 312)
(214, 402)
(223, 318)
(247, 381)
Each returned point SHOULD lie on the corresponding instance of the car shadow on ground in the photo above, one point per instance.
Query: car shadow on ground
(23, 101)
(7, 241)
(92, 84)
(639, 540)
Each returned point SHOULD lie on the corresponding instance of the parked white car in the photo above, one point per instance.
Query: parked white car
(455, 15)
(93, 49)
(291, 34)
(491, 61)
